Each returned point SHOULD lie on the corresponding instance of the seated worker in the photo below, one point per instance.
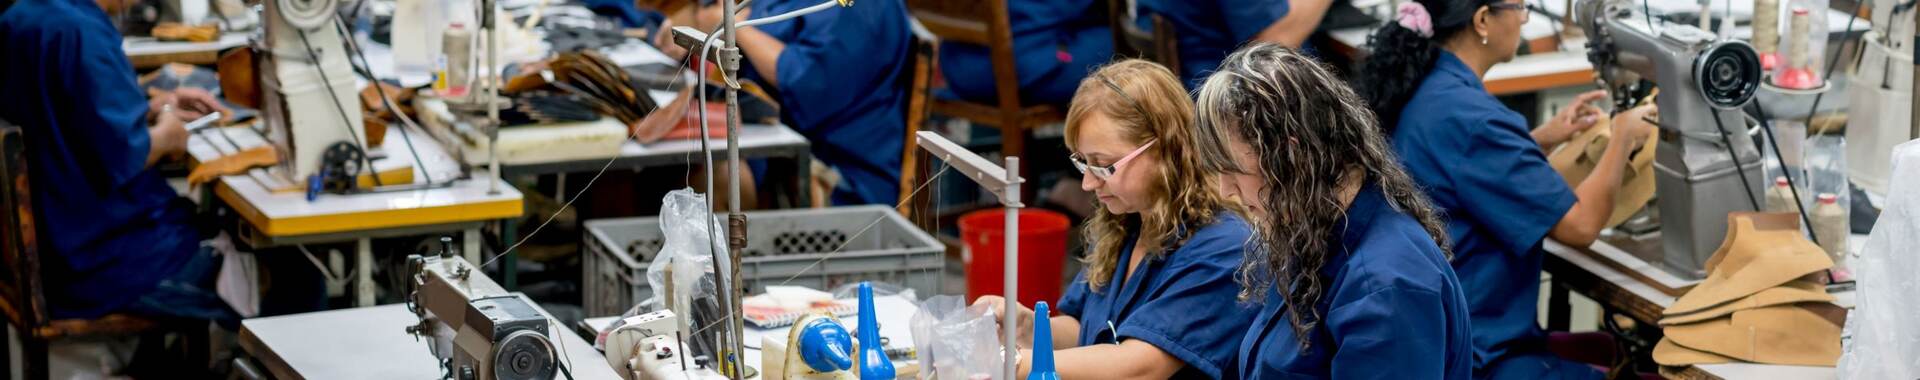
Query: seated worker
(1156, 300)
(115, 237)
(1055, 44)
(1487, 173)
(1206, 31)
(837, 77)
(1349, 260)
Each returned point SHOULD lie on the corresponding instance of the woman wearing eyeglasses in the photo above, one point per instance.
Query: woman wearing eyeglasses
(1157, 297)
(1487, 172)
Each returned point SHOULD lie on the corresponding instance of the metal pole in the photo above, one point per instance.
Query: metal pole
(1011, 259)
(492, 84)
(736, 222)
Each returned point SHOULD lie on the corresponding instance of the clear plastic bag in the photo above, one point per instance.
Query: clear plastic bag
(681, 275)
(956, 341)
(1881, 341)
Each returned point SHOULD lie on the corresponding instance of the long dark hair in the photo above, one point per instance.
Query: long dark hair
(1400, 58)
(1313, 137)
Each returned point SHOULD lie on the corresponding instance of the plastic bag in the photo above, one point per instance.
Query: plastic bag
(955, 341)
(682, 274)
(851, 291)
(1881, 341)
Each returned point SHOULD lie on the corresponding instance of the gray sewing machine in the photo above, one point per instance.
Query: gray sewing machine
(1706, 165)
(478, 330)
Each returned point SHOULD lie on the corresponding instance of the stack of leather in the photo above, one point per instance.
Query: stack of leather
(1762, 301)
(601, 83)
(1577, 159)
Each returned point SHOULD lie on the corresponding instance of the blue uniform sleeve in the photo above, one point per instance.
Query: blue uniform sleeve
(822, 70)
(1248, 18)
(105, 112)
(1507, 187)
(1074, 302)
(1194, 313)
(1400, 326)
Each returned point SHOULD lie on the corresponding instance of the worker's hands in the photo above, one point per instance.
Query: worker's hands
(167, 137)
(189, 103)
(1572, 119)
(706, 19)
(1632, 127)
(1022, 317)
(663, 40)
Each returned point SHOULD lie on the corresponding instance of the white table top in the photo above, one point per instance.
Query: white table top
(289, 213)
(141, 46)
(372, 343)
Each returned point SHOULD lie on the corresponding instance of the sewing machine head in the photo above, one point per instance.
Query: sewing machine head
(478, 330)
(1705, 162)
(308, 98)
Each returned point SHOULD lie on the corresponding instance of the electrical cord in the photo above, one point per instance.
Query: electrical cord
(1733, 154)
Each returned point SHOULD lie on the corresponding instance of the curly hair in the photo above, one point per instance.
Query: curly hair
(1313, 138)
(1400, 58)
(1147, 103)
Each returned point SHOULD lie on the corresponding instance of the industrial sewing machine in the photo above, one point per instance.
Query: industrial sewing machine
(476, 329)
(308, 98)
(1706, 166)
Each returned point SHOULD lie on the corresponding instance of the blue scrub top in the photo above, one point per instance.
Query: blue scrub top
(110, 228)
(1056, 43)
(1479, 164)
(1184, 303)
(840, 85)
(1391, 298)
(1208, 30)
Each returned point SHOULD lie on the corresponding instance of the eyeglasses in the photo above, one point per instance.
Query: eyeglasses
(1525, 15)
(1105, 172)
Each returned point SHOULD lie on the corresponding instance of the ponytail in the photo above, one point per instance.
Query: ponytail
(1404, 51)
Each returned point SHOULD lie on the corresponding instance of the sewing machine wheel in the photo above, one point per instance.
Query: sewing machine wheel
(1728, 74)
(307, 14)
(342, 162)
(524, 355)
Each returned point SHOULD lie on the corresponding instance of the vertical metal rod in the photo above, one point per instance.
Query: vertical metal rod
(492, 84)
(736, 222)
(1011, 260)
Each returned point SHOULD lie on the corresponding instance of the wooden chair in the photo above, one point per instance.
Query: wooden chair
(1129, 41)
(22, 298)
(984, 23)
(919, 82)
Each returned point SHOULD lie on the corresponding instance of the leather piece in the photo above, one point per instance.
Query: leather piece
(1577, 158)
(260, 156)
(1798, 291)
(1761, 251)
(1801, 334)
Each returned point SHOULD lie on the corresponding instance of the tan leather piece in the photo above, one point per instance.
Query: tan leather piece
(260, 156)
(1577, 158)
(1798, 291)
(1800, 334)
(1670, 354)
(1761, 251)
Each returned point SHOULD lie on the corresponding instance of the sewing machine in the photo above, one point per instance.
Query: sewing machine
(1706, 166)
(476, 329)
(307, 85)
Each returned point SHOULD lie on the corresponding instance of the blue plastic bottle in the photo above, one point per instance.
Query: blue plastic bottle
(1042, 346)
(874, 364)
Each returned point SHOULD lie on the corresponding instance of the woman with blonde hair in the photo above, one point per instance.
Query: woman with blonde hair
(1157, 297)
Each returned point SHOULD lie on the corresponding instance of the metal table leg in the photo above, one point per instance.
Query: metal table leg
(470, 246)
(363, 273)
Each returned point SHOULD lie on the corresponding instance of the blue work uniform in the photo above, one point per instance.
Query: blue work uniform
(1056, 43)
(110, 229)
(1477, 161)
(1208, 30)
(1184, 302)
(1391, 309)
(840, 85)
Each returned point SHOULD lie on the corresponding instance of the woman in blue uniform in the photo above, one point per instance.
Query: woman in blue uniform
(1055, 44)
(1349, 264)
(1157, 298)
(1208, 30)
(837, 77)
(1486, 172)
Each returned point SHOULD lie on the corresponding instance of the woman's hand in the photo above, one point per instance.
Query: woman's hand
(1632, 127)
(1022, 317)
(1571, 120)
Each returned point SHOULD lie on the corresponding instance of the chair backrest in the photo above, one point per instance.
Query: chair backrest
(1158, 46)
(977, 22)
(20, 292)
(919, 82)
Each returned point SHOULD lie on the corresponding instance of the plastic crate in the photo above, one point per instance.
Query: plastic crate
(780, 246)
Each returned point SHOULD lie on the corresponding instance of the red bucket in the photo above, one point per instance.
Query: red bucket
(1043, 251)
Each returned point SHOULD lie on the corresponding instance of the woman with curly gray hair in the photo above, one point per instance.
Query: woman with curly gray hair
(1348, 261)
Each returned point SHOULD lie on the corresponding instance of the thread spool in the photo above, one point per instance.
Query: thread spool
(455, 71)
(1766, 32)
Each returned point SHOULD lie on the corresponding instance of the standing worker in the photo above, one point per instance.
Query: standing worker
(1486, 172)
(1348, 263)
(1157, 298)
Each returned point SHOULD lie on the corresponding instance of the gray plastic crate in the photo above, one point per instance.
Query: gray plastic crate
(780, 245)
